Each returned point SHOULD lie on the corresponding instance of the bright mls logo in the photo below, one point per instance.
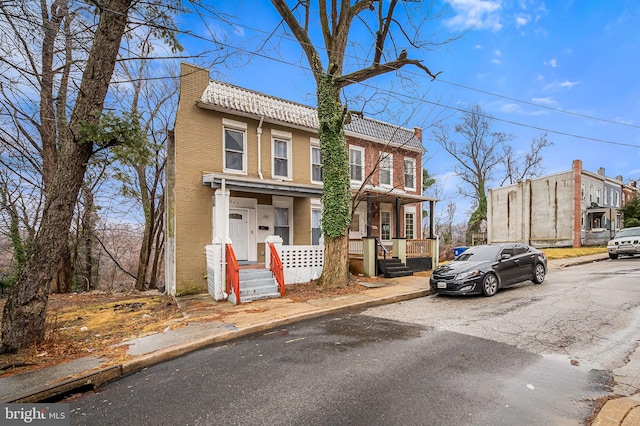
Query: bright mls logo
(34, 414)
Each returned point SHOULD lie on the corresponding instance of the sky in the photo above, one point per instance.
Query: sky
(567, 69)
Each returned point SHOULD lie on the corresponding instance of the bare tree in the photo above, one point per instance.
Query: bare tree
(480, 154)
(64, 113)
(520, 166)
(390, 33)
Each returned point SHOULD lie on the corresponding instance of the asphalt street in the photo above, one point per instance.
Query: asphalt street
(529, 355)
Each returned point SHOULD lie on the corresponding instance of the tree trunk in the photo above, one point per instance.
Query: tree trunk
(61, 282)
(336, 196)
(23, 320)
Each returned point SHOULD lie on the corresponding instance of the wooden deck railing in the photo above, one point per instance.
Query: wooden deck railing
(418, 248)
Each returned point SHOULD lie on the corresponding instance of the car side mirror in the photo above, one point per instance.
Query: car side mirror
(505, 256)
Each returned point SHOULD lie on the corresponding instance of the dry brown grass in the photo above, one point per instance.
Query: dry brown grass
(566, 252)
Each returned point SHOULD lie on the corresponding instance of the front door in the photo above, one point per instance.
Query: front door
(239, 232)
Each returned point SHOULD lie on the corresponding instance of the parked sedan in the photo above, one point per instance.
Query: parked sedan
(626, 241)
(484, 269)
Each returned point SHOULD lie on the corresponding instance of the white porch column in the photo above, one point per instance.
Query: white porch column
(276, 240)
(216, 269)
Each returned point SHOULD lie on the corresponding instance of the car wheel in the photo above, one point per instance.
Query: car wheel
(489, 285)
(538, 273)
(613, 256)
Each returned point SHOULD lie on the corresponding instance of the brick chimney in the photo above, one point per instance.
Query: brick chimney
(418, 132)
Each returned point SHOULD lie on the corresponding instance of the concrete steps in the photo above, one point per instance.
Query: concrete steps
(256, 284)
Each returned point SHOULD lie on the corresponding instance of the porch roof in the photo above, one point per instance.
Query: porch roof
(263, 186)
(386, 195)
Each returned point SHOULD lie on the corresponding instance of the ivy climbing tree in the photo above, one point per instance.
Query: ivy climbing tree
(381, 23)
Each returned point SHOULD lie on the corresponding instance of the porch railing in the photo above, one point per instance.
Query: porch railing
(233, 273)
(355, 248)
(276, 267)
(418, 248)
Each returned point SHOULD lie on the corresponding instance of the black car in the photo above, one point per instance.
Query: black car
(484, 269)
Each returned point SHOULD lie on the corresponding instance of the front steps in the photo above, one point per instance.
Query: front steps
(392, 268)
(255, 284)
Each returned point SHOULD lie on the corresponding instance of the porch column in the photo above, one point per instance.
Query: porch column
(397, 218)
(400, 249)
(432, 208)
(369, 206)
(369, 256)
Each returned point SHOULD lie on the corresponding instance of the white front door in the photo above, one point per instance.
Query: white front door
(239, 232)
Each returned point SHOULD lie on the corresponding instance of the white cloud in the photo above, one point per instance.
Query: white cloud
(498, 53)
(496, 61)
(478, 46)
(543, 101)
(510, 108)
(553, 63)
(476, 14)
(569, 84)
(522, 20)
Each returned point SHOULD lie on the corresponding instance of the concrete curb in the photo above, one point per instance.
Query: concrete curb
(95, 379)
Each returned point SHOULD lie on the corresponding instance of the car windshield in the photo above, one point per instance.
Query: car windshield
(479, 254)
(628, 233)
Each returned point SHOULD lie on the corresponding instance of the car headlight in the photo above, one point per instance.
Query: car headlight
(466, 275)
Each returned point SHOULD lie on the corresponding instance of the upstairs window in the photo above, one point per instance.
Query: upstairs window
(356, 163)
(598, 196)
(386, 169)
(281, 154)
(410, 173)
(235, 146)
(316, 161)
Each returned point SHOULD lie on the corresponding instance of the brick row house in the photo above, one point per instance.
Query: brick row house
(244, 167)
(567, 209)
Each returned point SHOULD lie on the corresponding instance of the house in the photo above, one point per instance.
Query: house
(567, 209)
(244, 167)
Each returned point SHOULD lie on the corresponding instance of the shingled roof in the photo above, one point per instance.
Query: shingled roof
(227, 97)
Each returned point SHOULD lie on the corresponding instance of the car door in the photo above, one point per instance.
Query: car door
(524, 260)
(507, 266)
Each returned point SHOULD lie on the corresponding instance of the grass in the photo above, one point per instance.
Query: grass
(566, 252)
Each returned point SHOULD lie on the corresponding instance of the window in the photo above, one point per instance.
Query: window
(235, 146)
(590, 193)
(316, 226)
(409, 226)
(356, 165)
(410, 173)
(617, 197)
(386, 169)
(611, 196)
(316, 161)
(606, 198)
(282, 224)
(355, 223)
(281, 154)
(385, 225)
(583, 191)
(598, 196)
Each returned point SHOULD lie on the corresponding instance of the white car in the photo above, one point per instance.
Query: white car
(626, 241)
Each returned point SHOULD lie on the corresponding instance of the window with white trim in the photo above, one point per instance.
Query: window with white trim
(385, 225)
(281, 224)
(617, 197)
(235, 146)
(356, 163)
(316, 226)
(409, 225)
(386, 169)
(281, 145)
(598, 196)
(316, 161)
(410, 173)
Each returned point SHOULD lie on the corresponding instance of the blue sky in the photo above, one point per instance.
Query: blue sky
(524, 62)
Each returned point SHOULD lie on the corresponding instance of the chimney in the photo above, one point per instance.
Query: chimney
(418, 132)
(619, 177)
(601, 171)
(633, 183)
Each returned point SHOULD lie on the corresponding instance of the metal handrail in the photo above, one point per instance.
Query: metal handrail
(233, 273)
(276, 267)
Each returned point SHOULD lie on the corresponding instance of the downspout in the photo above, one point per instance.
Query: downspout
(259, 134)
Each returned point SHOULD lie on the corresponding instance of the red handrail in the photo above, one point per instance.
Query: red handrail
(233, 273)
(276, 267)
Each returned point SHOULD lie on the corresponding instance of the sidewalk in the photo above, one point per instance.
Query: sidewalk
(91, 372)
